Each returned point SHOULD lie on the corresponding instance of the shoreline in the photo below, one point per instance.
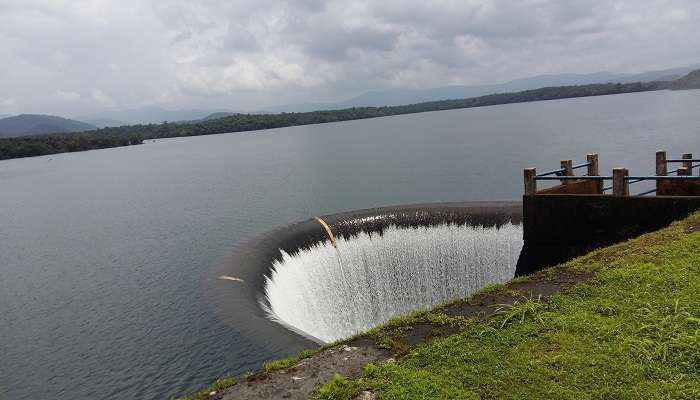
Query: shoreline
(37, 145)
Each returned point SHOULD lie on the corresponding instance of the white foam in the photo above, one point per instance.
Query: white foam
(331, 294)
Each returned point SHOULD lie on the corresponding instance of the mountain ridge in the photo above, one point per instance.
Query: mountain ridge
(690, 81)
(133, 135)
(147, 115)
(401, 96)
(54, 124)
(377, 98)
(38, 124)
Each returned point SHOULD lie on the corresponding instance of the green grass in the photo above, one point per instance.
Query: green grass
(217, 386)
(339, 386)
(289, 361)
(633, 332)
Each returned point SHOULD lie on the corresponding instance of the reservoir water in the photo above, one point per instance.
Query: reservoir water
(105, 255)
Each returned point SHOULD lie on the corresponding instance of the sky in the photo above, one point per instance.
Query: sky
(73, 57)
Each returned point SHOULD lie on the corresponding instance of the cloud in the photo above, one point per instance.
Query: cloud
(100, 97)
(247, 54)
(67, 95)
(8, 105)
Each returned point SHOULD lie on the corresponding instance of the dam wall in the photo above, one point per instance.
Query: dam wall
(580, 213)
(557, 228)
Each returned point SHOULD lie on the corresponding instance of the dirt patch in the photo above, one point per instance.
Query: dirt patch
(299, 381)
(544, 286)
(539, 286)
(482, 306)
(571, 278)
(426, 332)
(533, 290)
(693, 227)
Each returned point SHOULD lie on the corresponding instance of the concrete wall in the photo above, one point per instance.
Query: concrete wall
(576, 187)
(675, 188)
(559, 227)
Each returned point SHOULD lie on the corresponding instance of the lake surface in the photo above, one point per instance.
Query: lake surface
(104, 254)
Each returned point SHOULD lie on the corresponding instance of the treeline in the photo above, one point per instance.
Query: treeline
(135, 134)
(29, 146)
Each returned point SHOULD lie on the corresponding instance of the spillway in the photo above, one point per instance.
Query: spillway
(332, 293)
(329, 278)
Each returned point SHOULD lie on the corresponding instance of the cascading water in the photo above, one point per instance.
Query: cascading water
(331, 293)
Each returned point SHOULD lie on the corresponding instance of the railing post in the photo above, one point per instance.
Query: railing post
(567, 166)
(594, 170)
(687, 164)
(661, 169)
(593, 166)
(684, 171)
(530, 182)
(620, 184)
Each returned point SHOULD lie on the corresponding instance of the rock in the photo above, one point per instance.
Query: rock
(366, 395)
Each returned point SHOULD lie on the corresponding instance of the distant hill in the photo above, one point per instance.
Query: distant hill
(104, 122)
(213, 123)
(34, 124)
(147, 115)
(690, 81)
(131, 135)
(394, 97)
(218, 115)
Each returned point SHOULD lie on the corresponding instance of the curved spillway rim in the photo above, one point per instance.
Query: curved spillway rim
(243, 307)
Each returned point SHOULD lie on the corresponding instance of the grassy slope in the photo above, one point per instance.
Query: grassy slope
(633, 332)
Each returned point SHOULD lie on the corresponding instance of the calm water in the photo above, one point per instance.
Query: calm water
(103, 254)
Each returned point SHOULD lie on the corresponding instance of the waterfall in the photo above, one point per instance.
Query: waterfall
(331, 293)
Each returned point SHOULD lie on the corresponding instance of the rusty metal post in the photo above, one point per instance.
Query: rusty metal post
(530, 182)
(620, 184)
(568, 168)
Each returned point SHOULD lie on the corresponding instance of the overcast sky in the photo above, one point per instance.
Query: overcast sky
(79, 56)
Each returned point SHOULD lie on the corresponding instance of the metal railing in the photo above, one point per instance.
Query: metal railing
(620, 177)
(562, 171)
(635, 179)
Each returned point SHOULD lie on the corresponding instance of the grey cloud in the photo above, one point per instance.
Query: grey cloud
(80, 56)
(335, 45)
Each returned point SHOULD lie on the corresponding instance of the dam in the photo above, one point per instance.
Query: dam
(582, 213)
(334, 276)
